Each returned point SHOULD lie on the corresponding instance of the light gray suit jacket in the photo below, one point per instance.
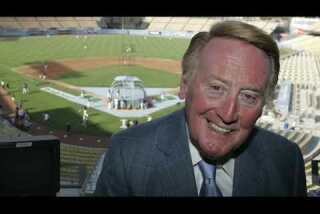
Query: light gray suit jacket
(153, 159)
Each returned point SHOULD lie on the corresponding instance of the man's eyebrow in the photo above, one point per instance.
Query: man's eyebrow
(215, 78)
(252, 89)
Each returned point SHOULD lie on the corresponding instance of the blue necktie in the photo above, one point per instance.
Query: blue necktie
(209, 187)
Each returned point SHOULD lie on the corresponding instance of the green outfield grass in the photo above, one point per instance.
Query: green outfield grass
(35, 50)
(28, 50)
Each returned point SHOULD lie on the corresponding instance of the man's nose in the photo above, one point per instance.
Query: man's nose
(229, 110)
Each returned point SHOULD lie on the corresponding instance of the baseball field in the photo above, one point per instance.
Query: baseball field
(85, 61)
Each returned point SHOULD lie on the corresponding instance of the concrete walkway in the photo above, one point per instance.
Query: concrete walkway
(100, 105)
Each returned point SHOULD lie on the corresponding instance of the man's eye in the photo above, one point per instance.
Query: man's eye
(216, 87)
(249, 99)
(215, 90)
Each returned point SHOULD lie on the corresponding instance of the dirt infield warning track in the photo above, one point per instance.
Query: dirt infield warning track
(61, 67)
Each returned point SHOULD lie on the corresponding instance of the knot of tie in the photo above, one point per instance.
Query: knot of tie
(209, 187)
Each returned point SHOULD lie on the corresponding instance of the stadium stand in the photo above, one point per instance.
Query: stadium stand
(177, 24)
(158, 23)
(157, 26)
(9, 23)
(170, 24)
(77, 162)
(8, 19)
(28, 23)
(68, 22)
(120, 22)
(302, 69)
(48, 22)
(195, 24)
(89, 185)
(87, 22)
(305, 42)
(208, 24)
(174, 26)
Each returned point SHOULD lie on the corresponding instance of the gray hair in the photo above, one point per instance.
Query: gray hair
(234, 30)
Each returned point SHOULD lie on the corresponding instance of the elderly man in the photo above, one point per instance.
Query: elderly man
(211, 147)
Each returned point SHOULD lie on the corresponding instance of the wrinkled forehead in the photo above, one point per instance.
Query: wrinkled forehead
(231, 46)
(235, 61)
(232, 53)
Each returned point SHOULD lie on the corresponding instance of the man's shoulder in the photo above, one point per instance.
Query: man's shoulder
(271, 140)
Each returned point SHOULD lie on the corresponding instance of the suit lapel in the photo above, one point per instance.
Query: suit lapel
(249, 179)
(176, 165)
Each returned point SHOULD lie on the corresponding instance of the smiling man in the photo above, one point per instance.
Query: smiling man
(212, 146)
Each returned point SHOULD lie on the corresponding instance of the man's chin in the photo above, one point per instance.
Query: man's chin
(213, 154)
(216, 151)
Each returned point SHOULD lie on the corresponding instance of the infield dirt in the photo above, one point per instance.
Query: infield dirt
(57, 68)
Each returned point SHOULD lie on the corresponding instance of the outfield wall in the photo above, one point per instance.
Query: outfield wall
(19, 33)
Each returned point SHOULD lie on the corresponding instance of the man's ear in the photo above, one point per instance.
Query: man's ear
(183, 88)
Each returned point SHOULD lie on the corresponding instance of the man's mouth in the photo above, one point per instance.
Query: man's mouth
(218, 129)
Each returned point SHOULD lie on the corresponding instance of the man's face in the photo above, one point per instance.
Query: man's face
(224, 98)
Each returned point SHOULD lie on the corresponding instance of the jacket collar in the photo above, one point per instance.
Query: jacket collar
(172, 137)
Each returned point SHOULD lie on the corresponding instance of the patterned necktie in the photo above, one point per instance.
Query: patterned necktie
(209, 187)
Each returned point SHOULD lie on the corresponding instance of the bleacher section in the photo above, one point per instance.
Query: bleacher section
(44, 23)
(28, 22)
(87, 22)
(305, 42)
(267, 26)
(48, 22)
(9, 23)
(196, 24)
(175, 24)
(89, 185)
(301, 68)
(124, 22)
(67, 22)
(158, 23)
(77, 162)
(299, 137)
